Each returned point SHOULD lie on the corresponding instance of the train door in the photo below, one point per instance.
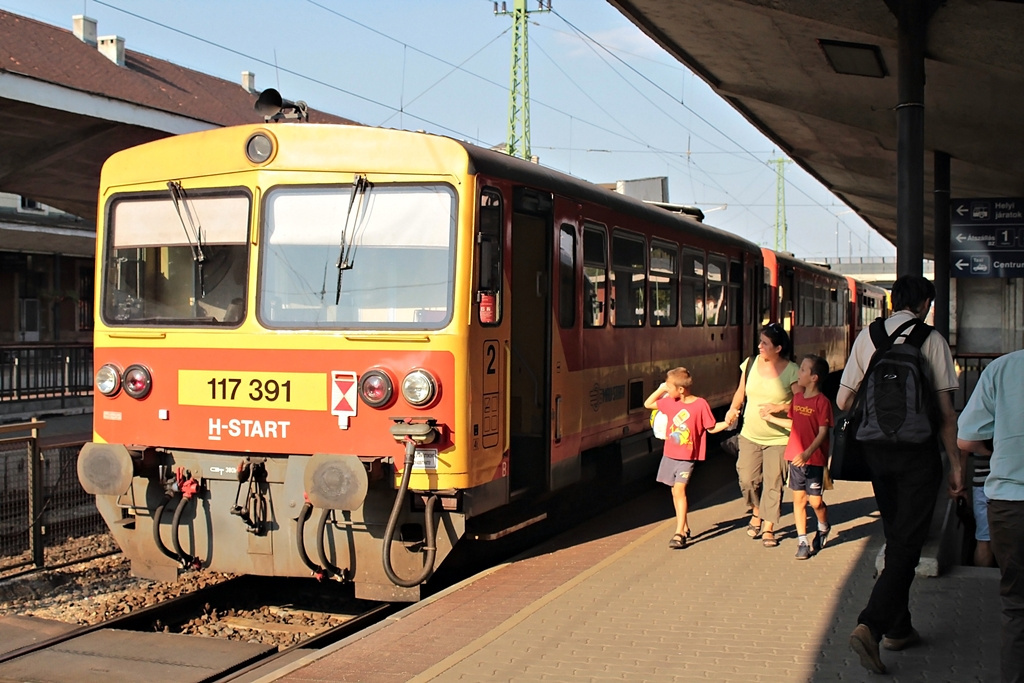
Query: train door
(566, 416)
(530, 352)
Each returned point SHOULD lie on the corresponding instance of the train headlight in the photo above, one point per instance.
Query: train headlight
(108, 380)
(137, 381)
(419, 387)
(376, 388)
(259, 148)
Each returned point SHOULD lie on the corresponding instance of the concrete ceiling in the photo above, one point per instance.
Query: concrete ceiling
(763, 57)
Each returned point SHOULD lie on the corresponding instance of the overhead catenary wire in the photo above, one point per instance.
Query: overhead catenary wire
(404, 109)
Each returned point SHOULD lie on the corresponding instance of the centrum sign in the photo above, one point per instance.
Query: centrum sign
(986, 237)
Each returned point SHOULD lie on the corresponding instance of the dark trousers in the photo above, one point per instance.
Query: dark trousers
(906, 480)
(1006, 526)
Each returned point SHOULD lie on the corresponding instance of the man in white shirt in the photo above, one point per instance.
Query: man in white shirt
(905, 477)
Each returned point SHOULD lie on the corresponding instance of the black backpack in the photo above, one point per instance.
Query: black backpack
(896, 403)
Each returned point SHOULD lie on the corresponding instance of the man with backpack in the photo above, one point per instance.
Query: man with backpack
(898, 386)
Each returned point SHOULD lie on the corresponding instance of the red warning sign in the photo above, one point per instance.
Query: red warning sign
(343, 396)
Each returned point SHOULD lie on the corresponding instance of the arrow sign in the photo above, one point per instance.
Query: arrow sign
(986, 238)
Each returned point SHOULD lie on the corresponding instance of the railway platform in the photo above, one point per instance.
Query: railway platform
(609, 601)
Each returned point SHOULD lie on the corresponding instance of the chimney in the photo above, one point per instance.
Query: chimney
(249, 81)
(84, 29)
(112, 47)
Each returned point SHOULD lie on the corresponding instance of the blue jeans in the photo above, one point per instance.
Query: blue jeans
(906, 481)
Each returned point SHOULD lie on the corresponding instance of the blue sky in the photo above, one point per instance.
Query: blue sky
(606, 102)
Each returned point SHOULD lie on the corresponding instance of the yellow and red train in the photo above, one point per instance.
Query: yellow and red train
(334, 349)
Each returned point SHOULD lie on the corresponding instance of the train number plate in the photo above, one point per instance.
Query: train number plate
(268, 390)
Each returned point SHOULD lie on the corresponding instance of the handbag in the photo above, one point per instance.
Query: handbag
(847, 462)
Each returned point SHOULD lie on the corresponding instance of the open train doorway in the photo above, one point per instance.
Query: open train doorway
(531, 341)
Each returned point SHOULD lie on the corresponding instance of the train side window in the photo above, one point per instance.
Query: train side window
(664, 284)
(489, 248)
(567, 276)
(766, 296)
(595, 275)
(735, 306)
(805, 299)
(629, 279)
(819, 306)
(691, 302)
(717, 303)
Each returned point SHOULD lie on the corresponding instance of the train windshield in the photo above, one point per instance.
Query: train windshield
(360, 256)
(177, 258)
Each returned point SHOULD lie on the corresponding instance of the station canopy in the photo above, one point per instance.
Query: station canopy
(820, 80)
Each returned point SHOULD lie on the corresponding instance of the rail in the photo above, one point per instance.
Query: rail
(45, 371)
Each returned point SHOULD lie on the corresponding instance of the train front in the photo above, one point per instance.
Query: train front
(278, 358)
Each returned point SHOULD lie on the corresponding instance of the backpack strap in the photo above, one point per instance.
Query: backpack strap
(883, 341)
(746, 372)
(919, 334)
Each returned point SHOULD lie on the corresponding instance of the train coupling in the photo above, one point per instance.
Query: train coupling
(418, 430)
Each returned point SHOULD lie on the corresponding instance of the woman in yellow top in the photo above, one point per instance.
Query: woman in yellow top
(762, 463)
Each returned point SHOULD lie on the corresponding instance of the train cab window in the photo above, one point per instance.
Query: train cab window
(691, 301)
(177, 259)
(358, 257)
(629, 279)
(595, 275)
(664, 284)
(717, 300)
(735, 306)
(567, 276)
(488, 284)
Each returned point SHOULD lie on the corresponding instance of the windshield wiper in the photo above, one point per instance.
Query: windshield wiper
(346, 256)
(195, 238)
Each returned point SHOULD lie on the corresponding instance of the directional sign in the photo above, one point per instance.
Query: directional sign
(986, 237)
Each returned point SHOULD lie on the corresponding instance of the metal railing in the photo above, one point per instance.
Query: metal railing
(42, 503)
(45, 371)
(970, 365)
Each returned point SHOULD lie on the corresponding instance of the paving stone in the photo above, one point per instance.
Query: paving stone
(596, 605)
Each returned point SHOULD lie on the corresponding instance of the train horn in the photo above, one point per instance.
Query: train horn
(275, 108)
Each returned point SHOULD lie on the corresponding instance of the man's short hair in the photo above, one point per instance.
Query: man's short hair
(680, 377)
(910, 291)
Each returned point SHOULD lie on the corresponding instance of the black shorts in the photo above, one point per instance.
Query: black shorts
(809, 478)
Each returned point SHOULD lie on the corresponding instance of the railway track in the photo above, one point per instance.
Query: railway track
(144, 644)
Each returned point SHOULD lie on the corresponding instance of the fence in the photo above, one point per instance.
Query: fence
(971, 365)
(45, 371)
(42, 502)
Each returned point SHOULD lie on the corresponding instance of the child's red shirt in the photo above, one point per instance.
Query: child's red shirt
(687, 425)
(808, 415)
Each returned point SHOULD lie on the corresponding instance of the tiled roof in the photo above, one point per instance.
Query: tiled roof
(55, 55)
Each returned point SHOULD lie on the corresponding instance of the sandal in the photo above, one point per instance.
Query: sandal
(768, 539)
(678, 542)
(754, 530)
